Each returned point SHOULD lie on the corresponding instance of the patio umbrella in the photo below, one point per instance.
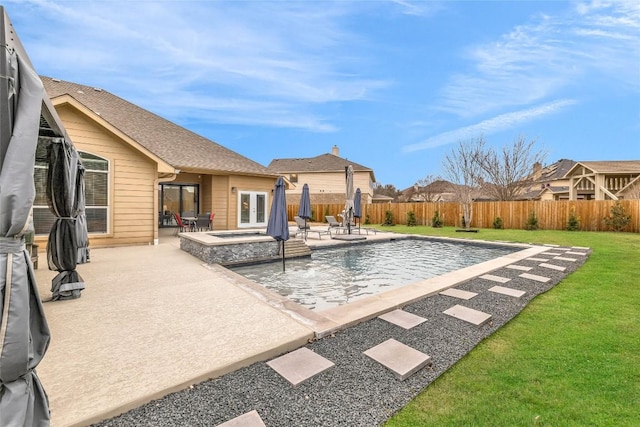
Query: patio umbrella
(348, 207)
(304, 210)
(357, 206)
(278, 225)
(62, 247)
(24, 333)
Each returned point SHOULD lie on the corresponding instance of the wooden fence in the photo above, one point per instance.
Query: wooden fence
(552, 215)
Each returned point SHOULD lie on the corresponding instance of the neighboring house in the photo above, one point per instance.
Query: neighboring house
(325, 175)
(141, 168)
(436, 191)
(604, 180)
(549, 182)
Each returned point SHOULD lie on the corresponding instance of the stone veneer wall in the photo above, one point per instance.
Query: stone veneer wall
(232, 253)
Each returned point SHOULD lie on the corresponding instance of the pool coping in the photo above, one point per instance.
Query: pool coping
(333, 319)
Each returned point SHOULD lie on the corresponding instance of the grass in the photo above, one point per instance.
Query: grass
(570, 358)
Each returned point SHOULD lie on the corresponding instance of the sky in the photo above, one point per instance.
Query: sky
(395, 84)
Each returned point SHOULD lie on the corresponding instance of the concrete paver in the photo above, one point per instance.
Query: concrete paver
(401, 359)
(300, 365)
(403, 319)
(458, 293)
(250, 419)
(467, 314)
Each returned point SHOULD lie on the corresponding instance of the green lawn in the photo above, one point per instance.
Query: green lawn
(570, 358)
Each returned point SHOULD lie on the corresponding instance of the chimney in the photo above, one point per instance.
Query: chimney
(537, 167)
(335, 151)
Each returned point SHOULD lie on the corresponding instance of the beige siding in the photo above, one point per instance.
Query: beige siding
(329, 187)
(132, 215)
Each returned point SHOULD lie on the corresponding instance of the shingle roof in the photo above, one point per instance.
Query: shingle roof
(618, 166)
(556, 170)
(174, 144)
(322, 163)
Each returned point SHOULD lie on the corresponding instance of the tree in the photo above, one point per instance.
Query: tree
(388, 190)
(463, 170)
(510, 170)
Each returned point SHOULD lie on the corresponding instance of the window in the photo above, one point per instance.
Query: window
(96, 179)
(293, 177)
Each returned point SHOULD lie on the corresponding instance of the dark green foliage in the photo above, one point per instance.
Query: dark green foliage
(617, 220)
(573, 223)
(532, 221)
(497, 223)
(367, 220)
(436, 221)
(411, 219)
(463, 222)
(388, 218)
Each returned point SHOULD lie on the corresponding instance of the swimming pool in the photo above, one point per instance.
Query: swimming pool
(337, 276)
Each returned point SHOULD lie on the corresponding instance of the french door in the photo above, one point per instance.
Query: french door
(252, 209)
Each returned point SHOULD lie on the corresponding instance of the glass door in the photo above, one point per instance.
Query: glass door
(177, 198)
(252, 209)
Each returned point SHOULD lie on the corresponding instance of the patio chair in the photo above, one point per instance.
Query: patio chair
(203, 222)
(305, 228)
(182, 226)
(335, 225)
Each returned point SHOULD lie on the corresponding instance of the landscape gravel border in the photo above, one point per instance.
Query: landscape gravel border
(357, 391)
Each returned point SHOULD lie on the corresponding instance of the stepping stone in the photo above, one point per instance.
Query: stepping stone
(458, 293)
(551, 245)
(507, 291)
(467, 314)
(564, 259)
(519, 267)
(553, 267)
(534, 277)
(575, 253)
(250, 419)
(300, 365)
(538, 259)
(495, 278)
(403, 319)
(580, 247)
(552, 253)
(401, 359)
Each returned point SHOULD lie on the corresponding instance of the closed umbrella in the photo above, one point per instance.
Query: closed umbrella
(348, 207)
(62, 247)
(24, 333)
(357, 206)
(278, 225)
(304, 209)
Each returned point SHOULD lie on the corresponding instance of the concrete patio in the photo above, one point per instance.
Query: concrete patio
(154, 319)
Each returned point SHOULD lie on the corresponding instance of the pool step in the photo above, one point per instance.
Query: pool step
(294, 248)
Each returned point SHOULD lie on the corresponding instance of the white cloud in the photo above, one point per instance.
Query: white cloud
(551, 54)
(493, 125)
(297, 56)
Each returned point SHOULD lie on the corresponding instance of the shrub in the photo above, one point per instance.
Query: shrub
(464, 223)
(617, 220)
(573, 222)
(411, 219)
(388, 218)
(497, 223)
(367, 220)
(436, 222)
(532, 221)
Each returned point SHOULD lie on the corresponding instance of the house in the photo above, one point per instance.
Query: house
(436, 191)
(604, 180)
(325, 175)
(549, 182)
(141, 168)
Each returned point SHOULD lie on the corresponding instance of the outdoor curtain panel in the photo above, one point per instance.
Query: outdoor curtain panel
(62, 248)
(24, 333)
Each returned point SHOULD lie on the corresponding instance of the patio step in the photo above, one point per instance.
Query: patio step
(294, 248)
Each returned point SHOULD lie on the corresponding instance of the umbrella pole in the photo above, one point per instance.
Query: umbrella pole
(283, 255)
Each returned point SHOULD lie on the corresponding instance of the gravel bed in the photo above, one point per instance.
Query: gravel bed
(357, 391)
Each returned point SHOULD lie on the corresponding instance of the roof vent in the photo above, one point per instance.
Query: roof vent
(97, 89)
(56, 80)
(80, 91)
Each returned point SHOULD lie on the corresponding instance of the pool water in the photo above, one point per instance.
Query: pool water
(336, 276)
